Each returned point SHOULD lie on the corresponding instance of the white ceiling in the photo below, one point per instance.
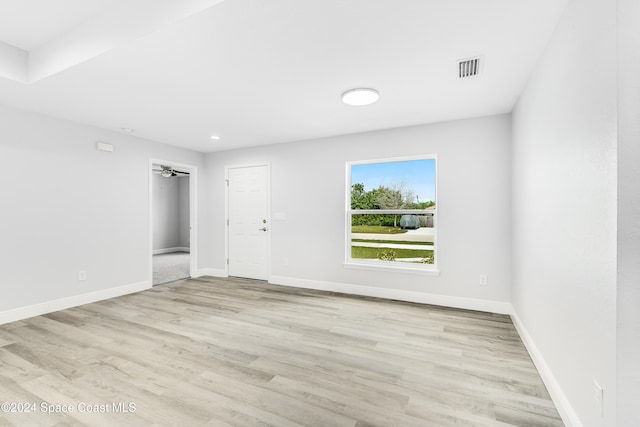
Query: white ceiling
(28, 24)
(259, 72)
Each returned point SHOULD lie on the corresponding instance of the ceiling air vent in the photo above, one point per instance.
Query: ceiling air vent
(469, 67)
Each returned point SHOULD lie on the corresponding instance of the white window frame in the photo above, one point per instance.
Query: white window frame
(393, 266)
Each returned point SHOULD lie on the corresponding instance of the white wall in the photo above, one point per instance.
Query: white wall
(628, 214)
(308, 185)
(165, 205)
(183, 211)
(170, 212)
(66, 207)
(564, 209)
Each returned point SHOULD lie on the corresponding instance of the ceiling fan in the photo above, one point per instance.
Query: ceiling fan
(168, 171)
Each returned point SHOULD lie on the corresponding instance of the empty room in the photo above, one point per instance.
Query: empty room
(320, 213)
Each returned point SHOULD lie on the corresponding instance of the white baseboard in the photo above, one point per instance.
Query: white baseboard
(395, 294)
(563, 405)
(215, 272)
(74, 301)
(171, 250)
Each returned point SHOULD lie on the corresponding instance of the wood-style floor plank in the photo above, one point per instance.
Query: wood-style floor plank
(236, 352)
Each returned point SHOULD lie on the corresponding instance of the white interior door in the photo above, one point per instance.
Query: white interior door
(248, 202)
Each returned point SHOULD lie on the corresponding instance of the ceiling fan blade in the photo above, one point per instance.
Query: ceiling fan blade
(168, 169)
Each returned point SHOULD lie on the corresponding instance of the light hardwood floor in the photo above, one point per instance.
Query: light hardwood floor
(238, 352)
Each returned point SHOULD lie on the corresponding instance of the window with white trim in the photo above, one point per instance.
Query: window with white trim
(391, 214)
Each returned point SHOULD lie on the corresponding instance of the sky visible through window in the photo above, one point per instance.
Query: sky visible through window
(419, 175)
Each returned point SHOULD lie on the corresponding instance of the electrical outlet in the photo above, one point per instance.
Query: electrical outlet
(483, 279)
(598, 394)
(82, 275)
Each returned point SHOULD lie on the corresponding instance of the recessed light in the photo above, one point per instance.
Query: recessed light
(215, 137)
(126, 130)
(360, 96)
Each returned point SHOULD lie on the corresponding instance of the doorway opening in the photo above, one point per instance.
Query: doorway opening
(172, 221)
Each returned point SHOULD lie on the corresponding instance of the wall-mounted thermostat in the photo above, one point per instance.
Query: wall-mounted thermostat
(103, 146)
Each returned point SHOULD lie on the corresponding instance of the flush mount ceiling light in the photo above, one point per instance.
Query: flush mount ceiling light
(360, 96)
(126, 130)
(215, 137)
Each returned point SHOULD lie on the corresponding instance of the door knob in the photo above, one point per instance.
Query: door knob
(263, 229)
